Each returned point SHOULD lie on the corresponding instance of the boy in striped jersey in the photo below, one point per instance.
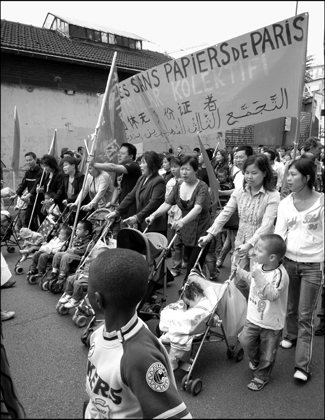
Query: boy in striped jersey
(128, 373)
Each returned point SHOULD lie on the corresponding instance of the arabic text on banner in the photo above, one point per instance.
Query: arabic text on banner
(250, 79)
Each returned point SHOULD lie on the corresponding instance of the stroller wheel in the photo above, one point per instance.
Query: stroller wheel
(85, 338)
(44, 285)
(62, 310)
(186, 383)
(80, 321)
(11, 249)
(230, 352)
(54, 287)
(32, 279)
(239, 355)
(196, 387)
(19, 269)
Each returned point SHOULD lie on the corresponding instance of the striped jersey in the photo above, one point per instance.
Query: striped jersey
(129, 376)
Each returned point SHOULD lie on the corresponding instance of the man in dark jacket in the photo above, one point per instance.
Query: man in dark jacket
(32, 177)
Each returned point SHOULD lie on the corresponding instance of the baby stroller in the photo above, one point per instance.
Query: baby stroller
(224, 316)
(154, 247)
(49, 229)
(9, 237)
(101, 232)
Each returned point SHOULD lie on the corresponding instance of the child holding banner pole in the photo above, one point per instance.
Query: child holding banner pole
(94, 140)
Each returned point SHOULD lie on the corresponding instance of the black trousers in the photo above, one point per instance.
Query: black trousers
(37, 215)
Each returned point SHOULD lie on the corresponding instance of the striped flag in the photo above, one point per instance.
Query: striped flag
(214, 183)
(16, 146)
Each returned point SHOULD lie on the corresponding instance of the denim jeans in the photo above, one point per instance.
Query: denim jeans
(229, 244)
(260, 345)
(62, 261)
(177, 250)
(304, 289)
(75, 286)
(41, 260)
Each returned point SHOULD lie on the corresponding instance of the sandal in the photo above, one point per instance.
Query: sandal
(256, 385)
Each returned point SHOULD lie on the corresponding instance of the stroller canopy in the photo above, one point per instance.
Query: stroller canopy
(148, 244)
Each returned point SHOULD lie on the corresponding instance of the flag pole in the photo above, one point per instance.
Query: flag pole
(95, 135)
(216, 149)
(86, 146)
(297, 128)
(312, 111)
(37, 194)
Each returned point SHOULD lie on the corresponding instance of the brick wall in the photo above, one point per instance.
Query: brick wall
(243, 136)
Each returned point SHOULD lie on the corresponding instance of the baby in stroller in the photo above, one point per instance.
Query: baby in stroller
(45, 254)
(76, 284)
(32, 242)
(62, 261)
(179, 320)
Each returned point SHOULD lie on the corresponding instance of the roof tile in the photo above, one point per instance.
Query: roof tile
(22, 37)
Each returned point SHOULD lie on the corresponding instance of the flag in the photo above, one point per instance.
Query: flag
(16, 147)
(54, 147)
(111, 133)
(214, 183)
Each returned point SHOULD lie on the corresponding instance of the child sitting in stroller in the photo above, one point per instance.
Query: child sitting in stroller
(32, 242)
(46, 252)
(74, 290)
(62, 260)
(179, 321)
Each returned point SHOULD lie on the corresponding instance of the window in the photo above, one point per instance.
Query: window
(77, 31)
(97, 36)
(104, 37)
(111, 39)
(121, 40)
(138, 45)
(48, 21)
(89, 34)
(66, 28)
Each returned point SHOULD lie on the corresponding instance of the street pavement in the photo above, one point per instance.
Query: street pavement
(48, 363)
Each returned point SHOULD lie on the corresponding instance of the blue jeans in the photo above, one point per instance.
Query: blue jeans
(304, 289)
(229, 244)
(177, 250)
(260, 345)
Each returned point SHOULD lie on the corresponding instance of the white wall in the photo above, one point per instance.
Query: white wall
(40, 112)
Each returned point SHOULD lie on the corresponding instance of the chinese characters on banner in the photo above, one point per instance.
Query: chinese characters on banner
(247, 80)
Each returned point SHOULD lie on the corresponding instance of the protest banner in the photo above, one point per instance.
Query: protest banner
(247, 80)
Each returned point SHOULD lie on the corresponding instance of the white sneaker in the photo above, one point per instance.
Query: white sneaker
(73, 303)
(5, 315)
(300, 375)
(65, 298)
(286, 344)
